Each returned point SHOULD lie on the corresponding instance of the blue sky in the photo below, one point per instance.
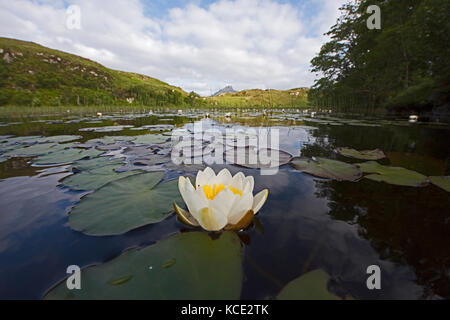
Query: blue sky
(199, 45)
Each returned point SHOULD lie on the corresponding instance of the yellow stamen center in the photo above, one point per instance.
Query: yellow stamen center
(212, 191)
(236, 191)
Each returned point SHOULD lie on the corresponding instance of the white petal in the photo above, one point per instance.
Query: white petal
(224, 177)
(190, 197)
(240, 208)
(238, 181)
(204, 177)
(224, 201)
(212, 220)
(259, 200)
(249, 183)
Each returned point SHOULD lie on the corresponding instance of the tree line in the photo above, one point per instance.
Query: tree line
(402, 66)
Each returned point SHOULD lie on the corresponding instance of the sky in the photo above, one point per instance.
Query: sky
(198, 45)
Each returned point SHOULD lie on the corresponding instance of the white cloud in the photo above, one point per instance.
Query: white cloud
(246, 43)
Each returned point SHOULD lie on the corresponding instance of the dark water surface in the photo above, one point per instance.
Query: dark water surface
(307, 223)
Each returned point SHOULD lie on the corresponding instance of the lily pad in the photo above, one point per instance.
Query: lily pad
(110, 140)
(392, 175)
(84, 165)
(326, 168)
(95, 178)
(34, 150)
(125, 204)
(58, 139)
(310, 286)
(150, 139)
(105, 129)
(186, 266)
(362, 155)
(441, 182)
(249, 157)
(65, 156)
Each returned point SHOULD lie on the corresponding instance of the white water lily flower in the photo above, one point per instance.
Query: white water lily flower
(219, 201)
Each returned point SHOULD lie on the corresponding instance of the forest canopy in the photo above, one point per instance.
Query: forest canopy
(402, 66)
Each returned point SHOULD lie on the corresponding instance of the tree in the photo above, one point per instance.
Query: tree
(403, 65)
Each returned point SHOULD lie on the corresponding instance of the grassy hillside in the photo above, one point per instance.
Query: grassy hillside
(294, 98)
(33, 75)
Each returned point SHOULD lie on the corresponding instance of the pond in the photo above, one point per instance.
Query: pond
(72, 193)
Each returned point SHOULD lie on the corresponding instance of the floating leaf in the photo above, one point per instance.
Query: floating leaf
(110, 140)
(205, 269)
(362, 155)
(58, 139)
(84, 165)
(441, 182)
(65, 156)
(34, 150)
(392, 175)
(310, 286)
(105, 129)
(326, 168)
(21, 140)
(95, 178)
(150, 139)
(257, 159)
(125, 204)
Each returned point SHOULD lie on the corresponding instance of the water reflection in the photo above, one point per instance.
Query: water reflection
(307, 223)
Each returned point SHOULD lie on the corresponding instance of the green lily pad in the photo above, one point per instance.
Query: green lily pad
(310, 286)
(441, 182)
(95, 178)
(326, 168)
(392, 175)
(110, 140)
(34, 150)
(27, 139)
(150, 139)
(186, 266)
(105, 129)
(125, 204)
(58, 139)
(85, 165)
(248, 157)
(362, 155)
(66, 156)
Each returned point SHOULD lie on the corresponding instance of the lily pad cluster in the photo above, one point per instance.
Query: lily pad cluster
(372, 170)
(31, 146)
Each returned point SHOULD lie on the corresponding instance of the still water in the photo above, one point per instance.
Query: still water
(307, 223)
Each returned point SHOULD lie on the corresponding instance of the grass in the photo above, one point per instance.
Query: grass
(294, 98)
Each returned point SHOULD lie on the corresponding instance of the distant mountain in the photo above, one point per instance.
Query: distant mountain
(31, 74)
(227, 89)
